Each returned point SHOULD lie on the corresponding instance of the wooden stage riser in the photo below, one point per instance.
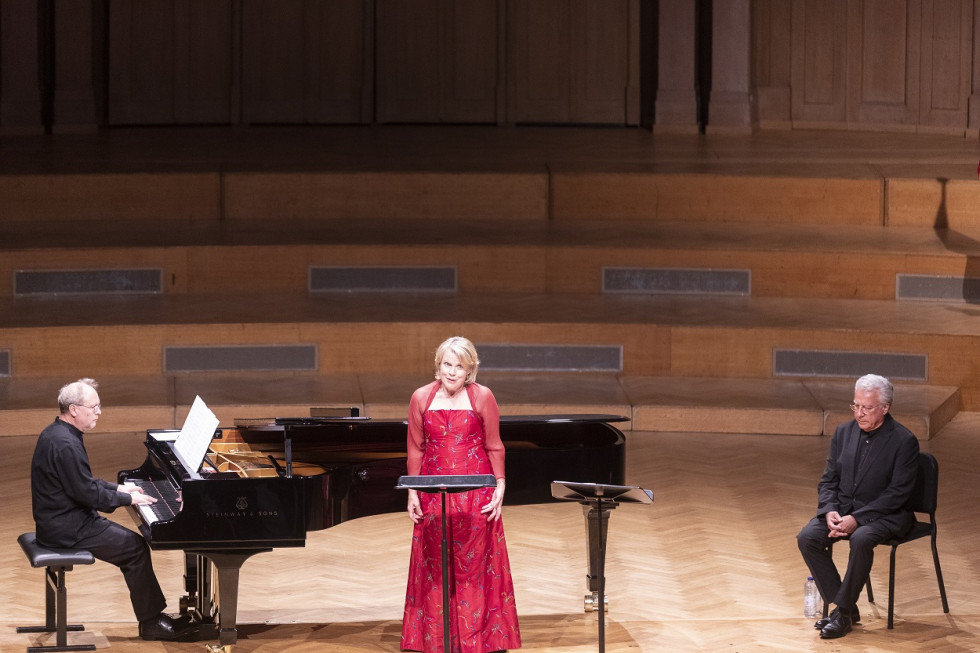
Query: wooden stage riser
(342, 347)
(356, 347)
(631, 193)
(741, 406)
(489, 268)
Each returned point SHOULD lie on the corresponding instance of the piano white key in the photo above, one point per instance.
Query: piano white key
(147, 513)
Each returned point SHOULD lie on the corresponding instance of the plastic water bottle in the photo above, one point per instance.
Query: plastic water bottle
(811, 599)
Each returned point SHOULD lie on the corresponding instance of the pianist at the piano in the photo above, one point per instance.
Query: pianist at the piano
(67, 501)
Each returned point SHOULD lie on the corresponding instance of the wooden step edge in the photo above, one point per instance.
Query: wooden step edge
(656, 404)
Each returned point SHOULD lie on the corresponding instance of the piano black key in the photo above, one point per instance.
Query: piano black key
(167, 505)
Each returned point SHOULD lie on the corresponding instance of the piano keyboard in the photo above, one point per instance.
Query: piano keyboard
(167, 505)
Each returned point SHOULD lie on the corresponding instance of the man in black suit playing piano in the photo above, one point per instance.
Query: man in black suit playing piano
(67, 500)
(863, 496)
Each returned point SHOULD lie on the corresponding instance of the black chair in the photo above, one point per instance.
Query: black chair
(924, 499)
(56, 563)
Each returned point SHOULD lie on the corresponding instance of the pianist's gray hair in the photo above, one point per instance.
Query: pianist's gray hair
(73, 394)
(464, 351)
(875, 383)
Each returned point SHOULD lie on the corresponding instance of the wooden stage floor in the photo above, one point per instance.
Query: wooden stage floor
(712, 565)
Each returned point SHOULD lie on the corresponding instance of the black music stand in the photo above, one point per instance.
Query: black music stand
(445, 484)
(594, 497)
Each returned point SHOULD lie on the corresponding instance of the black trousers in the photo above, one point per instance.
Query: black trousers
(127, 550)
(813, 541)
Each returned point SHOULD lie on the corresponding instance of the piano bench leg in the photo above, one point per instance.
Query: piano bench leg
(56, 615)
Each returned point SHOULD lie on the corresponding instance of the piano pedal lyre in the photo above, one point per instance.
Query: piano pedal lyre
(592, 602)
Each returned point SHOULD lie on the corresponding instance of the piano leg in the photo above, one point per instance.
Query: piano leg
(227, 564)
(597, 550)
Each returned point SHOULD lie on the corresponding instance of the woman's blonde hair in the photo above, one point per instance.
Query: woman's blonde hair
(464, 351)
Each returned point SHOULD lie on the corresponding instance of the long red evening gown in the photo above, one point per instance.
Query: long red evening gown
(482, 614)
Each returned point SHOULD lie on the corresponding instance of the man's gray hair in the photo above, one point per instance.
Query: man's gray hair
(74, 393)
(879, 384)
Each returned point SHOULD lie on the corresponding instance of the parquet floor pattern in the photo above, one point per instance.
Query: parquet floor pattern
(712, 565)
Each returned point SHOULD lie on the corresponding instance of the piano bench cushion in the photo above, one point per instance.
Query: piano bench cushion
(44, 557)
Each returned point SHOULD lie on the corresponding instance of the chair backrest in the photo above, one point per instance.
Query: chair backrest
(926, 492)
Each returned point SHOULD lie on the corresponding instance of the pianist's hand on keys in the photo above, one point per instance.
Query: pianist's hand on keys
(138, 498)
(147, 493)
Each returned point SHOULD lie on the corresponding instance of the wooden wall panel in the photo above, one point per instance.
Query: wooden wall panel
(599, 59)
(771, 50)
(170, 62)
(304, 61)
(538, 77)
(141, 62)
(947, 50)
(903, 65)
(74, 82)
(408, 61)
(819, 51)
(340, 86)
(437, 61)
(470, 56)
(20, 97)
(907, 65)
(883, 61)
(570, 61)
(274, 38)
(205, 54)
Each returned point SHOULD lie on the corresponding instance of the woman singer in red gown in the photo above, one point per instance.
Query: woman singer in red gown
(454, 428)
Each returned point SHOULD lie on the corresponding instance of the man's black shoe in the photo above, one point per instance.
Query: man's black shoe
(820, 623)
(839, 626)
(161, 627)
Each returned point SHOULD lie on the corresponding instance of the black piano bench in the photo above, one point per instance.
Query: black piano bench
(56, 562)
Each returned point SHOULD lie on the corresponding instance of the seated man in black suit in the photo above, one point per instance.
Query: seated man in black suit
(67, 500)
(863, 496)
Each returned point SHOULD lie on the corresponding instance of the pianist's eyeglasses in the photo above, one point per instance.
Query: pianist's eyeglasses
(97, 408)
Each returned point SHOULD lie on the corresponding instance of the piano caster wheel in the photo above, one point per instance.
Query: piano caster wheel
(218, 648)
(592, 602)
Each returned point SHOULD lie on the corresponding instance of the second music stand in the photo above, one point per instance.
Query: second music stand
(445, 484)
(596, 496)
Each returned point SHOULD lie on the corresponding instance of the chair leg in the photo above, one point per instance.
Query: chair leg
(56, 615)
(891, 589)
(939, 574)
(871, 594)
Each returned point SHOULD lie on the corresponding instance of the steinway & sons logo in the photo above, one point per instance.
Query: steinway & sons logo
(242, 510)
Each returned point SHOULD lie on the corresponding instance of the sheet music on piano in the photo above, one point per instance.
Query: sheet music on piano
(190, 446)
(195, 436)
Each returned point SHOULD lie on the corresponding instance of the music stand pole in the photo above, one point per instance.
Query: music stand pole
(602, 579)
(443, 484)
(445, 577)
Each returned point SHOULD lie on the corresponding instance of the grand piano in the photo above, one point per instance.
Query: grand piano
(267, 483)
